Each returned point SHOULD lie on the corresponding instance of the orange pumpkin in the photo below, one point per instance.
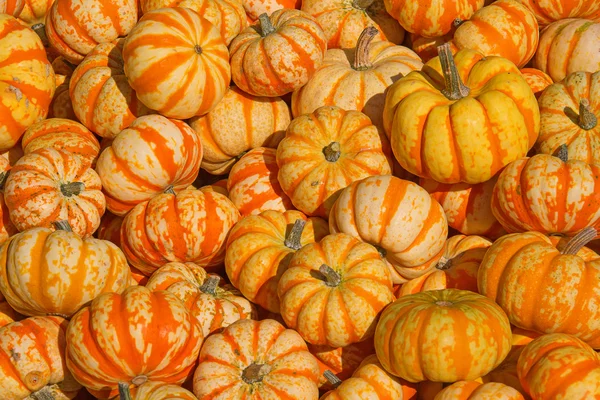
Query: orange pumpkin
(7, 228)
(254, 8)
(547, 11)
(427, 47)
(472, 390)
(61, 105)
(342, 361)
(12, 7)
(34, 14)
(7, 313)
(110, 228)
(157, 391)
(538, 81)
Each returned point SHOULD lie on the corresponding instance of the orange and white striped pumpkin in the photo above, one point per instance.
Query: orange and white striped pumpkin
(160, 391)
(254, 8)
(193, 78)
(473, 390)
(7, 228)
(145, 159)
(34, 13)
(61, 105)
(12, 7)
(548, 11)
(538, 81)
(342, 361)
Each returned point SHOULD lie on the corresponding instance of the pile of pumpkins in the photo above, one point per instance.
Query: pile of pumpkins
(285, 199)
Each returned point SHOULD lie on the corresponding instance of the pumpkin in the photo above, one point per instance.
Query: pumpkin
(342, 361)
(110, 228)
(154, 391)
(538, 81)
(259, 248)
(256, 360)
(278, 54)
(567, 46)
(193, 79)
(324, 281)
(190, 226)
(427, 47)
(62, 134)
(575, 376)
(359, 82)
(101, 96)
(432, 18)
(7, 313)
(34, 15)
(61, 105)
(75, 28)
(569, 112)
(519, 272)
(219, 186)
(442, 336)
(450, 131)
(214, 306)
(344, 20)
(7, 228)
(145, 159)
(12, 7)
(547, 11)
(472, 390)
(254, 8)
(325, 151)
(27, 81)
(240, 122)
(32, 360)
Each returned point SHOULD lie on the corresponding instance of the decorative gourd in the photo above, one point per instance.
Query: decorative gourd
(567, 46)
(253, 185)
(324, 152)
(7, 228)
(358, 82)
(215, 306)
(256, 359)
(102, 98)
(12, 7)
(325, 281)
(154, 391)
(427, 47)
(34, 15)
(569, 112)
(240, 122)
(278, 54)
(518, 272)
(61, 105)
(110, 228)
(145, 159)
(547, 11)
(430, 336)
(75, 28)
(472, 390)
(344, 20)
(27, 81)
(538, 81)
(254, 8)
(259, 248)
(450, 131)
(342, 361)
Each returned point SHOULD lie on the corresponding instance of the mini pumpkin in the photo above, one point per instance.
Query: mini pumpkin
(61, 105)
(472, 390)
(538, 81)
(550, 11)
(254, 8)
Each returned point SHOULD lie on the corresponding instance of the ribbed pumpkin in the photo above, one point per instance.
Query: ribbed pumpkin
(27, 81)
(449, 132)
(254, 8)
(344, 20)
(7, 228)
(342, 361)
(569, 112)
(117, 339)
(442, 336)
(252, 183)
(256, 360)
(472, 390)
(325, 281)
(259, 248)
(240, 122)
(215, 306)
(32, 360)
(538, 81)
(12, 7)
(34, 285)
(34, 14)
(521, 272)
(358, 82)
(278, 54)
(74, 28)
(426, 47)
(157, 391)
(547, 11)
(110, 228)
(48, 185)
(61, 105)
(145, 159)
(102, 98)
(324, 152)
(7, 313)
(567, 46)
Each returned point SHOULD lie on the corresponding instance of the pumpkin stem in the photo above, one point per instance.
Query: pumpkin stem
(455, 88)
(139, 380)
(255, 373)
(292, 240)
(587, 120)
(169, 190)
(54, 314)
(210, 285)
(198, 49)
(72, 189)
(362, 4)
(563, 153)
(578, 241)
(332, 378)
(458, 22)
(332, 152)
(382, 252)
(40, 29)
(124, 393)
(3, 178)
(63, 225)
(266, 26)
(43, 394)
(361, 54)
(332, 278)
(444, 264)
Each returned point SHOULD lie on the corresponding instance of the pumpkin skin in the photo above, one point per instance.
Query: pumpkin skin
(49, 185)
(160, 391)
(342, 361)
(254, 8)
(426, 47)
(7, 228)
(548, 11)
(252, 183)
(430, 336)
(317, 304)
(278, 54)
(472, 390)
(95, 350)
(74, 29)
(256, 360)
(566, 119)
(523, 260)
(324, 152)
(259, 249)
(7, 313)
(34, 13)
(576, 376)
(101, 96)
(431, 135)
(61, 105)
(28, 81)
(432, 18)
(240, 122)
(12, 7)
(566, 46)
(32, 360)
(110, 228)
(538, 81)
(145, 159)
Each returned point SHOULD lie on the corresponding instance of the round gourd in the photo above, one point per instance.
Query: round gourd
(34, 14)
(254, 8)
(155, 391)
(538, 81)
(472, 390)
(427, 47)
(548, 11)
(7, 228)
(342, 361)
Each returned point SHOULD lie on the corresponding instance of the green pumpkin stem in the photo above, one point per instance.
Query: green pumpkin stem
(255, 373)
(362, 4)
(332, 278)
(72, 188)
(332, 152)
(63, 225)
(577, 242)
(563, 153)
(210, 284)
(332, 378)
(292, 240)
(266, 26)
(124, 393)
(455, 88)
(40, 29)
(361, 54)
(587, 120)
